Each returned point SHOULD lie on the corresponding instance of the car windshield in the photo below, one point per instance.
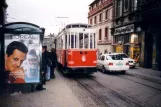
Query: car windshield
(115, 57)
(123, 55)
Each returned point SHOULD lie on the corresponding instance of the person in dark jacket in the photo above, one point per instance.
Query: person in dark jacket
(44, 68)
(53, 58)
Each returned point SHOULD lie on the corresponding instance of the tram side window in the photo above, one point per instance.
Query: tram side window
(75, 40)
(62, 42)
(86, 40)
(65, 41)
(91, 41)
(72, 41)
(94, 40)
(81, 40)
(69, 41)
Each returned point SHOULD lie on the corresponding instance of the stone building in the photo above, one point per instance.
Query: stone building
(100, 18)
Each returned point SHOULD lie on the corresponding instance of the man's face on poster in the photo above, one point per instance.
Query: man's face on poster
(14, 61)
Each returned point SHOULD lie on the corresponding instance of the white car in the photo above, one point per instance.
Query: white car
(112, 63)
(132, 62)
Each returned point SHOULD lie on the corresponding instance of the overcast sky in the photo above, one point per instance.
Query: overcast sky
(45, 12)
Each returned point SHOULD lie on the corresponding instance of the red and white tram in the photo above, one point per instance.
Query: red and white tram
(76, 49)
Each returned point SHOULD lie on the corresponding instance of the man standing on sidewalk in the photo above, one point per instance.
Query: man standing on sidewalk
(44, 69)
(53, 58)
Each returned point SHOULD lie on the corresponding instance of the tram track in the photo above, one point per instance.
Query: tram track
(86, 98)
(109, 96)
(145, 77)
(147, 83)
(101, 94)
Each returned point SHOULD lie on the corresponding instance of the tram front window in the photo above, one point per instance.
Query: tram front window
(81, 40)
(91, 41)
(86, 40)
(72, 41)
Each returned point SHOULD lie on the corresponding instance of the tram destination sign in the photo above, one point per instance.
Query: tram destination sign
(125, 29)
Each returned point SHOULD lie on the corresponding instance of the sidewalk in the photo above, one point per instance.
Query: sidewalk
(146, 73)
(57, 94)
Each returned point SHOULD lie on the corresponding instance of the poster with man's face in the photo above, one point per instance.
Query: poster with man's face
(22, 58)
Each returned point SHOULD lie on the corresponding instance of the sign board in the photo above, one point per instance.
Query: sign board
(125, 29)
(22, 58)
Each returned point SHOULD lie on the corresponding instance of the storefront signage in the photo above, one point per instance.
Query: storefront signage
(125, 29)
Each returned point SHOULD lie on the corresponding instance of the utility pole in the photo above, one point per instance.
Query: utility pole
(62, 25)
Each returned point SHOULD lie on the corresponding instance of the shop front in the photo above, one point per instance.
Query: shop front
(128, 41)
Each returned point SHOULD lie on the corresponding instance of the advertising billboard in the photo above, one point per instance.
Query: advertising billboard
(22, 58)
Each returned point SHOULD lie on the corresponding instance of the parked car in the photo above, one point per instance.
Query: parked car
(132, 62)
(112, 63)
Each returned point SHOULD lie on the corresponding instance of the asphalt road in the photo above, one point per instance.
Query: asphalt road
(115, 90)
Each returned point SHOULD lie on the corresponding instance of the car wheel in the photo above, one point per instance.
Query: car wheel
(123, 72)
(103, 70)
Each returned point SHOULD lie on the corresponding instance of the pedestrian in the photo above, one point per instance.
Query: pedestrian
(105, 52)
(44, 69)
(53, 58)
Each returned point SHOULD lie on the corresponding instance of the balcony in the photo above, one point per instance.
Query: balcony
(100, 7)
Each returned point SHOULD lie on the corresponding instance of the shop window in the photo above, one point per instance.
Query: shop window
(134, 38)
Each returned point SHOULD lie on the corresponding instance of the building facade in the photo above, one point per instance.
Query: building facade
(49, 41)
(100, 18)
(126, 29)
(151, 24)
